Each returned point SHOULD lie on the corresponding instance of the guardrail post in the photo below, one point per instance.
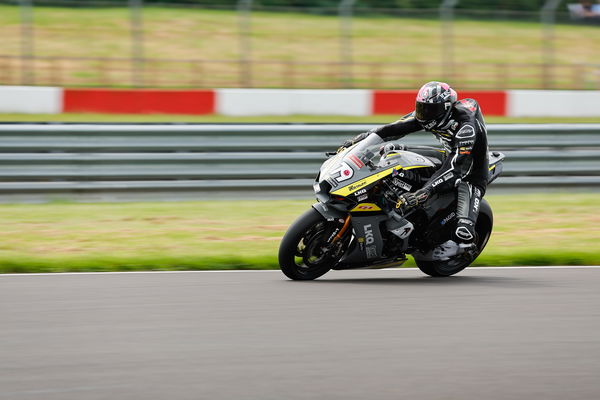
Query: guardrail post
(346, 57)
(27, 42)
(447, 34)
(137, 42)
(244, 8)
(548, 17)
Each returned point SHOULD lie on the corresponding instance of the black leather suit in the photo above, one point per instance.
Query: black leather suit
(465, 164)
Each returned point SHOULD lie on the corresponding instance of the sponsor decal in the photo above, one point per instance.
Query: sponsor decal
(466, 143)
(356, 161)
(363, 197)
(448, 218)
(463, 233)
(359, 192)
(357, 185)
(371, 251)
(369, 238)
(401, 184)
(438, 182)
(476, 205)
(443, 179)
(333, 235)
(366, 207)
(465, 132)
(430, 125)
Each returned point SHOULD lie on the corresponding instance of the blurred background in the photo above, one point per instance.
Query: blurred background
(275, 61)
(377, 44)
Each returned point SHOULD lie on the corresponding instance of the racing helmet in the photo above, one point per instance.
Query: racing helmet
(434, 104)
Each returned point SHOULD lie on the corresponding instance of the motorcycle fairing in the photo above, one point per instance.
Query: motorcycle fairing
(353, 169)
(367, 241)
(365, 182)
(496, 165)
(329, 213)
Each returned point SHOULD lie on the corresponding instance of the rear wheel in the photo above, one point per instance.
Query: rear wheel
(304, 253)
(483, 228)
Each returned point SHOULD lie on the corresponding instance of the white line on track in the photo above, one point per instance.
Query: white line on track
(276, 270)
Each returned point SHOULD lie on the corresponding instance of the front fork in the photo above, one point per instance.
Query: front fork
(342, 221)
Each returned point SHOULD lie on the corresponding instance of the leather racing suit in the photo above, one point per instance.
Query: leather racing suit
(465, 163)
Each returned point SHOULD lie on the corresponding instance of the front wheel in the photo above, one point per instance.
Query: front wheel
(483, 228)
(304, 253)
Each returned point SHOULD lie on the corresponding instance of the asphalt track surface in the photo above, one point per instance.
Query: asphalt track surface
(496, 333)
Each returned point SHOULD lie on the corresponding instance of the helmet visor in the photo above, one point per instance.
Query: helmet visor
(429, 111)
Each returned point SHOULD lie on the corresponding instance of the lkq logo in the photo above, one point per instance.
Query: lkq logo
(369, 238)
(476, 205)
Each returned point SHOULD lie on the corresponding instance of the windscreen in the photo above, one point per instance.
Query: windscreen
(362, 154)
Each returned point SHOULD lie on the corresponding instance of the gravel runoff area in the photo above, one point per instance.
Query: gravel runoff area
(487, 333)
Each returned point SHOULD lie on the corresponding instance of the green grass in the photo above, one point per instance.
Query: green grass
(535, 229)
(279, 38)
(378, 119)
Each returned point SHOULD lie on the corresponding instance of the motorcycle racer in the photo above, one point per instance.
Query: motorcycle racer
(460, 127)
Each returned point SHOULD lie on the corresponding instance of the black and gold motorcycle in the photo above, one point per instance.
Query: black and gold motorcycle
(360, 222)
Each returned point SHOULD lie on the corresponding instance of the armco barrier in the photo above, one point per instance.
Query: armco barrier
(111, 161)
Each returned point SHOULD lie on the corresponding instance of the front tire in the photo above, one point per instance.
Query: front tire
(483, 228)
(301, 255)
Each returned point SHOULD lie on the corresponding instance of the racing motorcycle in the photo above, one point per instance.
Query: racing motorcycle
(359, 220)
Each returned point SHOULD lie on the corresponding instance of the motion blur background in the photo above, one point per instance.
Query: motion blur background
(391, 44)
(91, 197)
(275, 61)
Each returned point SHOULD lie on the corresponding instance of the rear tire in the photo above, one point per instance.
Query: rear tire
(300, 252)
(483, 228)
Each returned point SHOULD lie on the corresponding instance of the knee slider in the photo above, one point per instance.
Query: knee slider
(465, 230)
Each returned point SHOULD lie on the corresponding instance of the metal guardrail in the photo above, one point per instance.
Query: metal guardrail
(163, 161)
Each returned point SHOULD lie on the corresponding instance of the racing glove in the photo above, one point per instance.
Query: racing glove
(414, 199)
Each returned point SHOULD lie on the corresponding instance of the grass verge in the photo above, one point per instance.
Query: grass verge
(533, 229)
(277, 38)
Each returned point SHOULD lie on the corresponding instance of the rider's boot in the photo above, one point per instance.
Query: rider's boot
(446, 250)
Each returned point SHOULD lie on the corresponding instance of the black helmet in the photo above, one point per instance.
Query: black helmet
(434, 103)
